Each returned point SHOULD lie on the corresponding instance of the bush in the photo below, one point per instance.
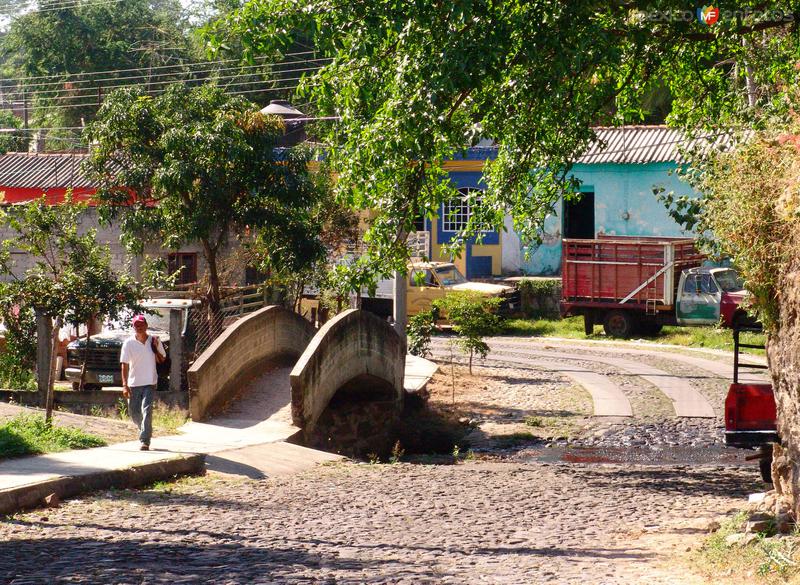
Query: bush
(419, 331)
(473, 317)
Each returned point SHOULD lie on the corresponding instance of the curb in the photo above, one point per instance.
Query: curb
(33, 495)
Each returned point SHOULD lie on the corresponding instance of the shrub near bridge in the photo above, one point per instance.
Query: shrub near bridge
(473, 317)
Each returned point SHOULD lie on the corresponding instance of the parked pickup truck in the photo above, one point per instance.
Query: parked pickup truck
(750, 412)
(637, 285)
(425, 282)
(102, 362)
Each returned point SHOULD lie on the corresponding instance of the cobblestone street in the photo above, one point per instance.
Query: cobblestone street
(515, 513)
(475, 522)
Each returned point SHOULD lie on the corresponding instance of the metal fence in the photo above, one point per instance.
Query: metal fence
(204, 328)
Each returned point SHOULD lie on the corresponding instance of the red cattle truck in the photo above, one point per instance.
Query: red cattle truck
(635, 284)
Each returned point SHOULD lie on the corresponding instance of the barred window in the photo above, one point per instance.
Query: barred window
(456, 214)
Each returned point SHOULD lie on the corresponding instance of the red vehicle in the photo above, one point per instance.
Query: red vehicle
(750, 412)
(639, 284)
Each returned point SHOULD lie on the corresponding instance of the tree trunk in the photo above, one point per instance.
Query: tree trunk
(51, 377)
(470, 362)
(784, 366)
(213, 296)
(85, 358)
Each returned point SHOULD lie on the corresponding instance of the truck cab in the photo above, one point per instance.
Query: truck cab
(102, 354)
(708, 295)
(428, 281)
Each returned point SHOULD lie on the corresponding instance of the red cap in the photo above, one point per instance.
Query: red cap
(139, 319)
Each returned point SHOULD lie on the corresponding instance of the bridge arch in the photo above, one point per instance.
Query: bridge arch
(241, 352)
(348, 383)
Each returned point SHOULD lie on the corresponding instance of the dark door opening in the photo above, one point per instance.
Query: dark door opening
(579, 216)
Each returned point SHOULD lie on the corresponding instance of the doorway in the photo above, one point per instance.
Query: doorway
(579, 216)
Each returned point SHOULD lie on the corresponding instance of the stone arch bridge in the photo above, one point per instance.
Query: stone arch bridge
(340, 388)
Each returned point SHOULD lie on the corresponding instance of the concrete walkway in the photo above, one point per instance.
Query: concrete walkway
(607, 397)
(248, 439)
(686, 400)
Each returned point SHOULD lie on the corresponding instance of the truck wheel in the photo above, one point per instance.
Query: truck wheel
(765, 463)
(619, 324)
(588, 323)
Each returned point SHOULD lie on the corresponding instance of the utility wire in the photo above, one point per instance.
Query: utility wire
(94, 90)
(157, 67)
(179, 70)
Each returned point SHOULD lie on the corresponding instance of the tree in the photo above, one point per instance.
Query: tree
(473, 317)
(87, 37)
(195, 165)
(414, 83)
(12, 138)
(70, 280)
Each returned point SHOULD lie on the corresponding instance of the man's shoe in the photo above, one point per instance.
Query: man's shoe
(144, 447)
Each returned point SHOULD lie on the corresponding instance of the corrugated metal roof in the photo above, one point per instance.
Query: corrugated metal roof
(628, 144)
(43, 170)
(646, 144)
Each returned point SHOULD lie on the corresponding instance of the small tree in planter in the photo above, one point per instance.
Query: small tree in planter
(473, 317)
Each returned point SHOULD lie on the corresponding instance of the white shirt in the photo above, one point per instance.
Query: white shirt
(141, 361)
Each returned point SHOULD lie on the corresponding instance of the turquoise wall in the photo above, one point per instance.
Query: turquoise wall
(624, 206)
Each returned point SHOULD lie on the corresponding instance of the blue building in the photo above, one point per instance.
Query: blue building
(618, 177)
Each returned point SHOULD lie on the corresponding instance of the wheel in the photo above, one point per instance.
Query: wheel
(620, 324)
(765, 464)
(588, 323)
(650, 328)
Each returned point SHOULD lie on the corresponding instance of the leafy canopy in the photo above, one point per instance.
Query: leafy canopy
(416, 82)
(196, 165)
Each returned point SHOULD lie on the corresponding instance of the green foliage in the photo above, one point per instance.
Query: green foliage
(71, 276)
(32, 435)
(12, 141)
(473, 317)
(749, 211)
(538, 286)
(419, 331)
(196, 165)
(89, 37)
(414, 83)
(18, 358)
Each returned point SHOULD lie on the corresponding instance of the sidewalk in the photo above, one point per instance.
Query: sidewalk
(239, 442)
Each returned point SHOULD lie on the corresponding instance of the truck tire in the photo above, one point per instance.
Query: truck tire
(765, 463)
(620, 324)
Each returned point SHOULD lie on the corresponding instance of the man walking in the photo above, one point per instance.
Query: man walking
(139, 357)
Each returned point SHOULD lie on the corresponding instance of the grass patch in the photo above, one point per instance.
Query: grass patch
(572, 328)
(763, 560)
(31, 435)
(168, 419)
(514, 439)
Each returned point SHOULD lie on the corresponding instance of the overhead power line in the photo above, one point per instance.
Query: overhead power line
(62, 76)
(164, 79)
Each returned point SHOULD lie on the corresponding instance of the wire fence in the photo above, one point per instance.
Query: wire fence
(205, 327)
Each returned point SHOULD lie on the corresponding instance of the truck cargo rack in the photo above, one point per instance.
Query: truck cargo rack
(737, 350)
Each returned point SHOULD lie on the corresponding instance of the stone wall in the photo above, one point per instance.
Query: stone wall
(241, 352)
(354, 343)
(784, 361)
